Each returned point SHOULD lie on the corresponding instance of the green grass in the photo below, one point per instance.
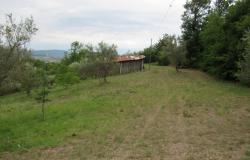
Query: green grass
(92, 111)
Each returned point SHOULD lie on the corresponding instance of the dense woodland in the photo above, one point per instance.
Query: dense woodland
(215, 38)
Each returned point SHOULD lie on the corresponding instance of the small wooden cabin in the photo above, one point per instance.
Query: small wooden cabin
(130, 63)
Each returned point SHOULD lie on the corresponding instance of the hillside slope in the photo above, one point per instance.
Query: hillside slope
(156, 114)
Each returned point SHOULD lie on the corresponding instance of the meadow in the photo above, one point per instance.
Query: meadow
(154, 114)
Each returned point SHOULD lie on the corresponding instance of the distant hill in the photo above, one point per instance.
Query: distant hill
(49, 53)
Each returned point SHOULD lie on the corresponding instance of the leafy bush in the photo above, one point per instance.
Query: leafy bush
(163, 59)
(66, 76)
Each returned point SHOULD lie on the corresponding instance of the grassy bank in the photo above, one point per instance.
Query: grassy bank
(135, 116)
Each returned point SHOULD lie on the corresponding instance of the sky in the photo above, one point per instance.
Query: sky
(130, 24)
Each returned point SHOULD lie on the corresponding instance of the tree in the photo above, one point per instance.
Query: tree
(178, 56)
(173, 51)
(73, 55)
(104, 62)
(42, 94)
(163, 58)
(221, 39)
(244, 64)
(29, 78)
(151, 54)
(221, 6)
(213, 40)
(78, 52)
(13, 53)
(237, 22)
(193, 19)
(66, 76)
(167, 45)
(164, 46)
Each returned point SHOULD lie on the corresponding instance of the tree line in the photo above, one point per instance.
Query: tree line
(216, 39)
(19, 71)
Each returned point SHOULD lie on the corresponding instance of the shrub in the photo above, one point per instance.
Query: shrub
(244, 64)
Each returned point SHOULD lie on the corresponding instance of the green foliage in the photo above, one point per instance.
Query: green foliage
(75, 66)
(221, 38)
(193, 20)
(221, 6)
(105, 55)
(77, 53)
(244, 64)
(13, 54)
(165, 46)
(94, 113)
(163, 58)
(88, 70)
(42, 94)
(171, 50)
(161, 50)
(87, 61)
(66, 76)
(214, 46)
(178, 56)
(29, 78)
(151, 54)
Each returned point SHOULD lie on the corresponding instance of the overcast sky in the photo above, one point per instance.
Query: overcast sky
(127, 23)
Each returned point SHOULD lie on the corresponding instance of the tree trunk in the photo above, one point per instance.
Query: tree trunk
(43, 111)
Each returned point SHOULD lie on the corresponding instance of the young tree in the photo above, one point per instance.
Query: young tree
(244, 64)
(193, 18)
(42, 95)
(66, 76)
(178, 56)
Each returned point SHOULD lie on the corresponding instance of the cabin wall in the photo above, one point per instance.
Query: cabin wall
(131, 66)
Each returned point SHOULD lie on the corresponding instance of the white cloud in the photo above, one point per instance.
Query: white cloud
(130, 24)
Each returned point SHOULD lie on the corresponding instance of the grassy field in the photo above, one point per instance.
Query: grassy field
(156, 114)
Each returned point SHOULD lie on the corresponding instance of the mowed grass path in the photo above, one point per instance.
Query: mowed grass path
(156, 114)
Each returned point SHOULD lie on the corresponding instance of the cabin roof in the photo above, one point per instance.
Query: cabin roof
(124, 58)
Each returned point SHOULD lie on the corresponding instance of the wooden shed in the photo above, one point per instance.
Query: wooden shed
(129, 63)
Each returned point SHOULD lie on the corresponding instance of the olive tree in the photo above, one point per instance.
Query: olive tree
(104, 60)
(178, 56)
(13, 53)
